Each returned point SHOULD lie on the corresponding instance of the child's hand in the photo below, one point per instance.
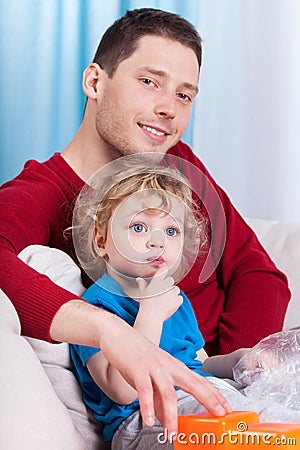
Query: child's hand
(253, 363)
(160, 297)
(222, 365)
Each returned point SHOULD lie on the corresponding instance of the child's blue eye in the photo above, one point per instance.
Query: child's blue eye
(139, 228)
(171, 231)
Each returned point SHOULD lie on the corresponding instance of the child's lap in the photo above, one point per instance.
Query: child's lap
(132, 434)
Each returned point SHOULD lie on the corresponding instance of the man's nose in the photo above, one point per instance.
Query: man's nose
(166, 106)
(156, 239)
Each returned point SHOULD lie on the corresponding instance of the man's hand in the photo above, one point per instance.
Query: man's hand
(154, 373)
(146, 367)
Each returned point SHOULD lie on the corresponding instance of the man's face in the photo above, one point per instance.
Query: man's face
(146, 105)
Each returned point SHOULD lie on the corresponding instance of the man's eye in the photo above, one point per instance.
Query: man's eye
(148, 82)
(184, 97)
(138, 228)
(171, 231)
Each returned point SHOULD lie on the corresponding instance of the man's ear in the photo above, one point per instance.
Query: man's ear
(90, 80)
(100, 242)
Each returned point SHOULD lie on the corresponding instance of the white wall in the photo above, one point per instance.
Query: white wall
(247, 116)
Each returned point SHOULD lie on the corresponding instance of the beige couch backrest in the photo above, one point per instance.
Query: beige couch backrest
(282, 241)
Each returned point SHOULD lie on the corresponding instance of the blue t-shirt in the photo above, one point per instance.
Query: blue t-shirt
(180, 337)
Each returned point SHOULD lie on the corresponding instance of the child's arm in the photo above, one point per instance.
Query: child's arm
(220, 365)
(110, 380)
(153, 311)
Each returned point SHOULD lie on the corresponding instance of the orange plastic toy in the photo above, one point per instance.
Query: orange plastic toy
(236, 430)
(263, 435)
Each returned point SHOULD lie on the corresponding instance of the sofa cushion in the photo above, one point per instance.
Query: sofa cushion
(31, 414)
(282, 242)
(55, 358)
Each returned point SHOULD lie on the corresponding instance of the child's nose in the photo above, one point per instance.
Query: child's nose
(156, 239)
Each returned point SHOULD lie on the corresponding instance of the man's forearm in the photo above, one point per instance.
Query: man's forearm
(79, 322)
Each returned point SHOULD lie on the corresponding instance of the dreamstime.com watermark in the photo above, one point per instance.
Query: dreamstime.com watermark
(241, 436)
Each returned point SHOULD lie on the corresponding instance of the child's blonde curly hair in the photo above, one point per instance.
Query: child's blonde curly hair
(98, 200)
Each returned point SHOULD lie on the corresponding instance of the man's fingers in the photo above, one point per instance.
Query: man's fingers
(166, 410)
(145, 393)
(159, 399)
(157, 395)
(203, 391)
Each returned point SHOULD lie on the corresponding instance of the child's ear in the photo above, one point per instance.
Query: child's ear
(100, 242)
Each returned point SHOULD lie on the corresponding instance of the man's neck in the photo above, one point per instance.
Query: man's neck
(85, 154)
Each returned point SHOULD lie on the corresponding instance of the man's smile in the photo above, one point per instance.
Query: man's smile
(154, 132)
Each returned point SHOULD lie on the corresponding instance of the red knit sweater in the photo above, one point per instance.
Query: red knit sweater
(243, 300)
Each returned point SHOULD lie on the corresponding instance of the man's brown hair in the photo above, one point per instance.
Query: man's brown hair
(121, 39)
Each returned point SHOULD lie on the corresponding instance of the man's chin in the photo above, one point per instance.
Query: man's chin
(160, 152)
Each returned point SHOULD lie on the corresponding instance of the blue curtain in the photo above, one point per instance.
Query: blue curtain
(45, 45)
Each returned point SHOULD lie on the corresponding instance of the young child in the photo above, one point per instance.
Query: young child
(137, 234)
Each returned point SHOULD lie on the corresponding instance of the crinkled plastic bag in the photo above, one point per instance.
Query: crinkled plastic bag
(271, 369)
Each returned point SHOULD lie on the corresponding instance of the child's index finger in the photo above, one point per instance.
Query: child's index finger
(160, 282)
(142, 283)
(161, 273)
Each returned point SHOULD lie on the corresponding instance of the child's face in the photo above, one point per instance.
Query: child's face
(140, 241)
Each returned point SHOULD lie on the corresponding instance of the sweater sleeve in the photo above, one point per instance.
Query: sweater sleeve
(28, 215)
(245, 297)
(35, 297)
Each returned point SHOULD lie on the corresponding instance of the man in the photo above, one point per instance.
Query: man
(139, 91)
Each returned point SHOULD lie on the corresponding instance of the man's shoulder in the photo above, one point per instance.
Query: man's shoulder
(53, 169)
(37, 178)
(185, 152)
(181, 149)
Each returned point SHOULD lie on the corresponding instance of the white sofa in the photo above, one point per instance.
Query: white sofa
(38, 414)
